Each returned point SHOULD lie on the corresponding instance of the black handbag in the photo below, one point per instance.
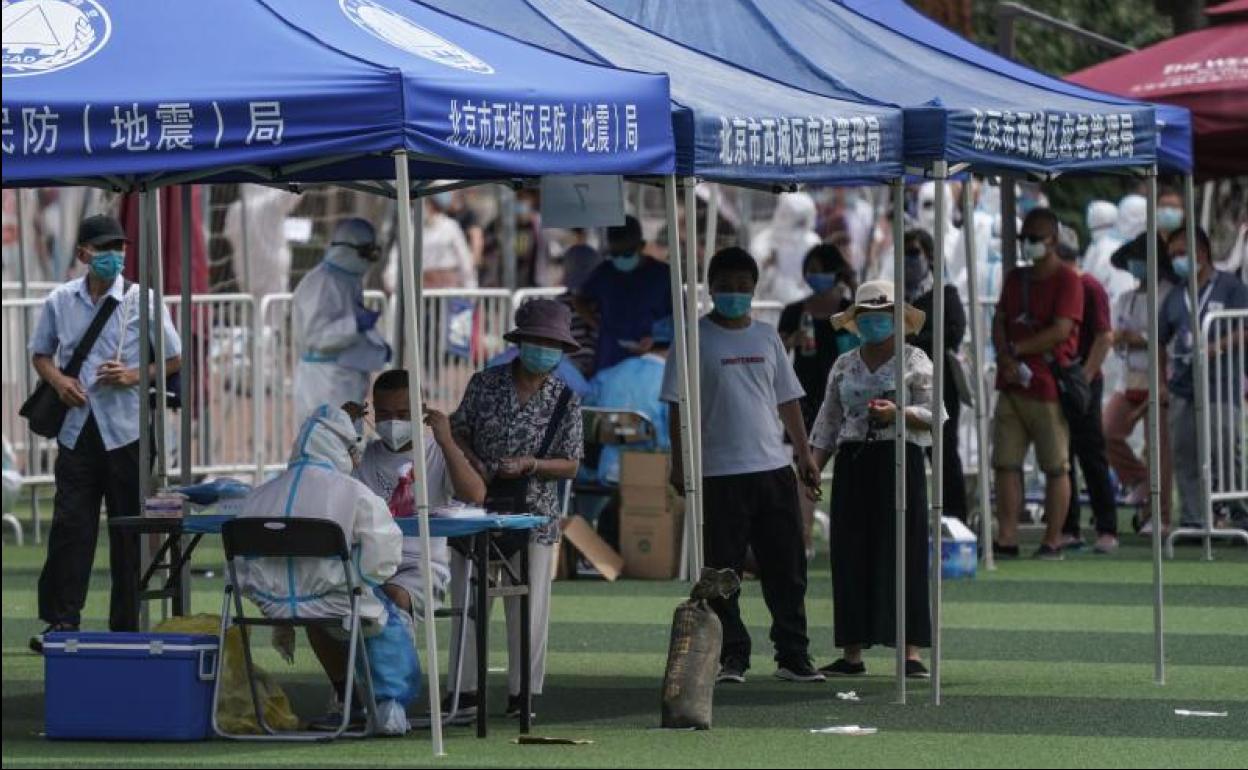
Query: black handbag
(44, 410)
(511, 496)
(1074, 393)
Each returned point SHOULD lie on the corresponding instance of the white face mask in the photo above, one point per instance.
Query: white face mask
(395, 434)
(1034, 252)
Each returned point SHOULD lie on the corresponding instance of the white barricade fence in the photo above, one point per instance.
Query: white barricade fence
(462, 329)
(35, 456)
(1225, 381)
(222, 344)
(34, 289)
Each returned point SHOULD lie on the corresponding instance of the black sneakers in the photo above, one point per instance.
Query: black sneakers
(842, 667)
(514, 708)
(1005, 551)
(798, 670)
(36, 641)
(731, 672)
(1048, 553)
(916, 670)
(467, 706)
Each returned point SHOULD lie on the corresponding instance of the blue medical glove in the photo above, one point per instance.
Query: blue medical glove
(366, 319)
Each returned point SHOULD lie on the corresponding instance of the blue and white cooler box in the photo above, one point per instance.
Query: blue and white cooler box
(129, 686)
(959, 550)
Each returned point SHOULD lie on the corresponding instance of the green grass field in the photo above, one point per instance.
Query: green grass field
(1046, 665)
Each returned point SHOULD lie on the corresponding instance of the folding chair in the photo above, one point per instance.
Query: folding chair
(299, 538)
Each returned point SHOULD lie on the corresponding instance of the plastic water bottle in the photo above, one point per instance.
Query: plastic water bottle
(1024, 374)
(808, 344)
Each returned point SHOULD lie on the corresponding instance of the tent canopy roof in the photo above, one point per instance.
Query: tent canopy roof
(956, 109)
(149, 91)
(731, 125)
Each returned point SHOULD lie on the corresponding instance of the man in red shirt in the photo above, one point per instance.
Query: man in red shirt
(1035, 328)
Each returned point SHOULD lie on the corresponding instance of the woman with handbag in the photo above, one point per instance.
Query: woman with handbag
(521, 428)
(919, 286)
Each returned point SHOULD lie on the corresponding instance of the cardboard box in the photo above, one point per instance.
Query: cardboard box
(586, 541)
(650, 541)
(644, 480)
(643, 469)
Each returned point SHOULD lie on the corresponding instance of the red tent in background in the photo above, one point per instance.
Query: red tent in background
(1205, 71)
(171, 238)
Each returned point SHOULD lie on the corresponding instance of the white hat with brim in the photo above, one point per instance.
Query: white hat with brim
(875, 297)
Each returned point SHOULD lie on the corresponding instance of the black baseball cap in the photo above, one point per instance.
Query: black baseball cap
(100, 229)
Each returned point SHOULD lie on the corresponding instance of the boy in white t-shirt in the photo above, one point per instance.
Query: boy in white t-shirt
(447, 470)
(750, 397)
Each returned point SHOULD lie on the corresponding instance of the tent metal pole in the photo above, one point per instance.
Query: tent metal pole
(694, 350)
(410, 261)
(899, 432)
(692, 549)
(941, 171)
(1200, 366)
(1154, 426)
(712, 229)
(157, 266)
(187, 370)
(188, 338)
(145, 350)
(977, 368)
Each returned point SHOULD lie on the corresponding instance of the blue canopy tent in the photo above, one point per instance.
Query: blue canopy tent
(964, 108)
(731, 126)
(373, 93)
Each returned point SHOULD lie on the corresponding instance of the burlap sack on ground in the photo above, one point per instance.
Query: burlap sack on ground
(693, 655)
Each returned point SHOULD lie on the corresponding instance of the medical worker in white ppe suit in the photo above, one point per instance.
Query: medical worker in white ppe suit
(317, 483)
(336, 339)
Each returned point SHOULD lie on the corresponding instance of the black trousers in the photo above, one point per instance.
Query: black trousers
(85, 476)
(759, 511)
(952, 472)
(1087, 444)
(864, 550)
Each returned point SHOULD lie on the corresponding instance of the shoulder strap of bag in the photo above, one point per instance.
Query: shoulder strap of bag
(556, 419)
(93, 333)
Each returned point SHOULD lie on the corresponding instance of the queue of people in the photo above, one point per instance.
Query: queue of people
(778, 405)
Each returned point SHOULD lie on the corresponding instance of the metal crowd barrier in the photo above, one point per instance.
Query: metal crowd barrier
(1221, 443)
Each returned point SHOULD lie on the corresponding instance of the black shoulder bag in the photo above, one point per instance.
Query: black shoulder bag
(1073, 391)
(511, 495)
(44, 410)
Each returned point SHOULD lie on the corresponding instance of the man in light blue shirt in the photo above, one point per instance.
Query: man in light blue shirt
(98, 447)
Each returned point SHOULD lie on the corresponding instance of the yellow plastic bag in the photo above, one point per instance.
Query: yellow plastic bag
(235, 713)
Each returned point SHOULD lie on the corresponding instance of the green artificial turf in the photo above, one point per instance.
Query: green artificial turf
(1046, 665)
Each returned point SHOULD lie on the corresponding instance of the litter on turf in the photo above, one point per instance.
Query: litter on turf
(1188, 713)
(844, 730)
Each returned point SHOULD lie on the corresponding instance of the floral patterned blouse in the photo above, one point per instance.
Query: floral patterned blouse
(852, 385)
(493, 423)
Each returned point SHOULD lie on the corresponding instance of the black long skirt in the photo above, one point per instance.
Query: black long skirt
(863, 547)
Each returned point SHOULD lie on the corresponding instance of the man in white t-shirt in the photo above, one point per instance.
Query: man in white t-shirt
(449, 474)
(750, 397)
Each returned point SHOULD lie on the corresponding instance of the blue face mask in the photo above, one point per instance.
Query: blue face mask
(539, 359)
(1139, 270)
(106, 265)
(875, 327)
(1169, 218)
(732, 305)
(1182, 265)
(822, 282)
(626, 263)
